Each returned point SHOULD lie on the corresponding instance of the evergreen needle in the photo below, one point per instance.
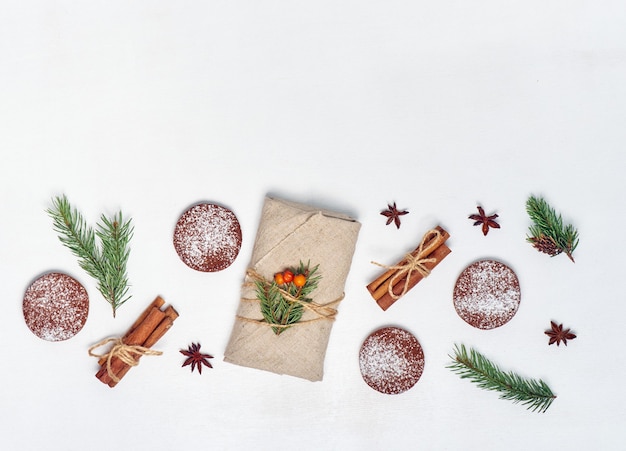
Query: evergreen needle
(106, 264)
(534, 394)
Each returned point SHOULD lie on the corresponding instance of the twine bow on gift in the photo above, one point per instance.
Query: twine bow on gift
(415, 261)
(128, 354)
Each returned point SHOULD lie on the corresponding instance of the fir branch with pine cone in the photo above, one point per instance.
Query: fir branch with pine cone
(548, 234)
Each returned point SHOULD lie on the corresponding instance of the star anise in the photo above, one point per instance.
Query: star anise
(393, 214)
(196, 358)
(486, 221)
(558, 335)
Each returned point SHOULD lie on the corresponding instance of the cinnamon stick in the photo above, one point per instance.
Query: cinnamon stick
(433, 247)
(153, 338)
(157, 303)
(386, 300)
(149, 327)
(381, 284)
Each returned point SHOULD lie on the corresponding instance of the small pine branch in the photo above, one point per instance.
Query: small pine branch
(275, 308)
(115, 235)
(548, 234)
(77, 236)
(277, 302)
(107, 265)
(534, 394)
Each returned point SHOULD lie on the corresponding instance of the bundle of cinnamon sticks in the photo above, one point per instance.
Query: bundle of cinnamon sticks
(400, 278)
(151, 325)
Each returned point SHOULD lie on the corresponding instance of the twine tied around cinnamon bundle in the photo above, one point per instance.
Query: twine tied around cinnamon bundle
(128, 354)
(414, 262)
(321, 311)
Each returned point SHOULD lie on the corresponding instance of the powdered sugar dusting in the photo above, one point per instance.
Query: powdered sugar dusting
(487, 294)
(207, 237)
(55, 307)
(391, 360)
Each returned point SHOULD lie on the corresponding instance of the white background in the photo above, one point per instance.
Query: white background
(151, 106)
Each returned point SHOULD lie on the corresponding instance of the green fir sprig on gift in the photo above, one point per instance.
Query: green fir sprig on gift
(534, 394)
(548, 234)
(282, 300)
(105, 263)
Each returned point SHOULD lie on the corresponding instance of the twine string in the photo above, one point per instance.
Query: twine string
(128, 354)
(414, 262)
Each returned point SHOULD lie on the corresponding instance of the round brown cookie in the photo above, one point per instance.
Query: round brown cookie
(207, 237)
(391, 360)
(55, 307)
(487, 294)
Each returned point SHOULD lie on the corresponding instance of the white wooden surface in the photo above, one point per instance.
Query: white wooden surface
(151, 106)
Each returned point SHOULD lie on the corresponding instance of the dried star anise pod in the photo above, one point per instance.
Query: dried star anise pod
(558, 335)
(393, 214)
(196, 358)
(486, 221)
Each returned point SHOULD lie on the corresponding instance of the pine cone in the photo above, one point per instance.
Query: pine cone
(546, 245)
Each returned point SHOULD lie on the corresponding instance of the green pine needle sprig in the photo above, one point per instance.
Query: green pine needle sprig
(283, 304)
(534, 394)
(548, 234)
(105, 263)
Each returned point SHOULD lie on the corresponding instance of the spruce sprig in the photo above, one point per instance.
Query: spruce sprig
(534, 394)
(107, 263)
(548, 234)
(275, 308)
(283, 304)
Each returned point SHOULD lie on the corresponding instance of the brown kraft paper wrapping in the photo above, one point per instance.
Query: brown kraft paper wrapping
(288, 233)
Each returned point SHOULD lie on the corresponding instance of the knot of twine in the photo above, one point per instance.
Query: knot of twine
(128, 354)
(414, 262)
(322, 311)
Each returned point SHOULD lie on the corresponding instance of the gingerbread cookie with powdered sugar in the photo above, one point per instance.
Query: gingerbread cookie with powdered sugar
(391, 360)
(487, 294)
(207, 237)
(55, 307)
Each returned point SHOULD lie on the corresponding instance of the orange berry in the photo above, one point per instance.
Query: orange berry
(299, 280)
(287, 276)
(279, 278)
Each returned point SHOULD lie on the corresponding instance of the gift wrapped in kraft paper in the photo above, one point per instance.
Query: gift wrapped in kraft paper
(290, 233)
